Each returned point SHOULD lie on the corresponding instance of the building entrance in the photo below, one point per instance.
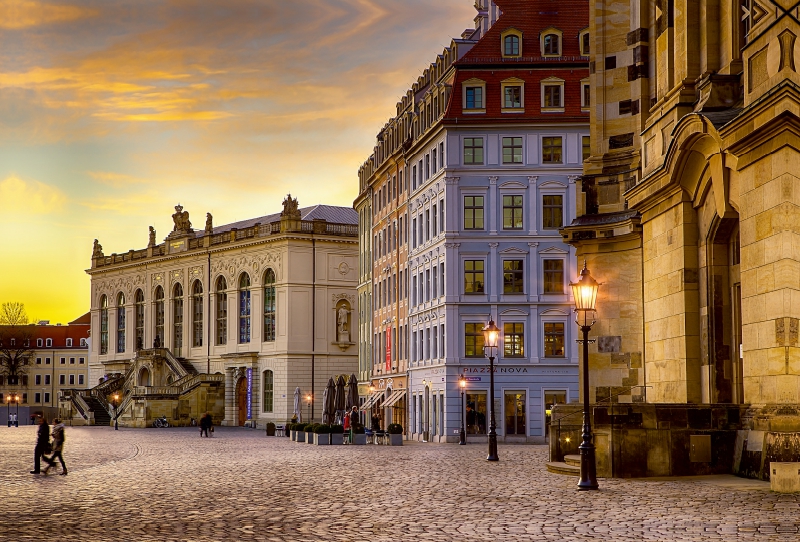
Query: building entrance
(241, 401)
(515, 413)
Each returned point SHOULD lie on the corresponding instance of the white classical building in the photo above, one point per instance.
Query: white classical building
(259, 307)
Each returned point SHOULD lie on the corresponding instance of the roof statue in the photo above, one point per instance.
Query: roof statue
(152, 241)
(181, 220)
(209, 223)
(290, 207)
(97, 250)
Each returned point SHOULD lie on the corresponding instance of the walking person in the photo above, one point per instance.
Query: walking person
(58, 447)
(42, 443)
(205, 424)
(353, 421)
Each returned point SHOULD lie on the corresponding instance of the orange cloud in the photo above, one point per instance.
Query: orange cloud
(18, 14)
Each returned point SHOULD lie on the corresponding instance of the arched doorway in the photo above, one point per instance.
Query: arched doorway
(144, 377)
(241, 401)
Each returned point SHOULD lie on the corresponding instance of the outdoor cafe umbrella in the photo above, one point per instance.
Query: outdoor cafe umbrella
(340, 394)
(329, 401)
(297, 409)
(352, 392)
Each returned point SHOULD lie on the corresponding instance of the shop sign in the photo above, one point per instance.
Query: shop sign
(473, 379)
(507, 370)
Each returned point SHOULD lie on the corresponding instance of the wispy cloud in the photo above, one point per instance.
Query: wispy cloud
(29, 197)
(18, 14)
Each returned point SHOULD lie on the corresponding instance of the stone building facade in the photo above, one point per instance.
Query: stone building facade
(254, 309)
(686, 215)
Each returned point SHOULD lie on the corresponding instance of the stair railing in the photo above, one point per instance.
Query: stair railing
(80, 405)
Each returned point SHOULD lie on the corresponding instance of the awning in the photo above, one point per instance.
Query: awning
(394, 398)
(374, 398)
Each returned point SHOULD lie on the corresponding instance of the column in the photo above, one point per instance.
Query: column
(491, 209)
(533, 204)
(533, 272)
(494, 273)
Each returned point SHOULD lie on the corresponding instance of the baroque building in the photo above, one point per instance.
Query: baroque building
(469, 184)
(687, 217)
(229, 319)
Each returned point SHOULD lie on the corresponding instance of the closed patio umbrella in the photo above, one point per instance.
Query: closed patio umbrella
(329, 402)
(352, 392)
(339, 404)
(297, 410)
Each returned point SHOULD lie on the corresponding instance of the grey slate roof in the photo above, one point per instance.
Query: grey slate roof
(330, 213)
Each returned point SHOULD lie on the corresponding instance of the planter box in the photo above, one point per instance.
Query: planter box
(293, 434)
(320, 439)
(395, 440)
(301, 436)
(337, 438)
(359, 439)
(310, 438)
(270, 431)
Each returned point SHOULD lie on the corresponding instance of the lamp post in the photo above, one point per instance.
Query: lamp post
(491, 334)
(16, 416)
(8, 409)
(462, 435)
(116, 405)
(585, 293)
(308, 402)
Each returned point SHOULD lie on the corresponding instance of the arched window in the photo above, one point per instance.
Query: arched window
(177, 320)
(39, 343)
(222, 311)
(158, 341)
(104, 325)
(551, 44)
(269, 305)
(197, 314)
(48, 343)
(138, 309)
(268, 391)
(69, 343)
(511, 46)
(121, 322)
(244, 308)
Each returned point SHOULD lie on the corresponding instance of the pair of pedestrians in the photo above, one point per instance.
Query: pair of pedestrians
(43, 446)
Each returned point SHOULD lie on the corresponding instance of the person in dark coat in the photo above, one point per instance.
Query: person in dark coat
(42, 442)
(58, 447)
(205, 424)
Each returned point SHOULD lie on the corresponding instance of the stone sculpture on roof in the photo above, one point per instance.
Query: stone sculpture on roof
(181, 220)
(290, 207)
(152, 240)
(209, 223)
(97, 250)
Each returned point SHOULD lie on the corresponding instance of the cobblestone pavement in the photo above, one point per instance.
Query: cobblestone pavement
(169, 484)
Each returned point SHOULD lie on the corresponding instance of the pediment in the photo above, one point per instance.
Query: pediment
(513, 184)
(554, 312)
(553, 250)
(513, 250)
(552, 184)
(514, 312)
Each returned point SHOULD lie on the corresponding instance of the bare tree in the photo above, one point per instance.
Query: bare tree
(16, 341)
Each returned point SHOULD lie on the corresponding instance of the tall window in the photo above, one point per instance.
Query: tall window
(267, 383)
(474, 98)
(473, 150)
(269, 306)
(552, 44)
(197, 314)
(586, 149)
(552, 212)
(103, 325)
(512, 277)
(512, 150)
(222, 311)
(511, 46)
(554, 276)
(120, 322)
(512, 212)
(551, 150)
(138, 309)
(552, 96)
(473, 277)
(473, 212)
(244, 308)
(473, 340)
(554, 339)
(159, 310)
(514, 340)
(512, 97)
(177, 319)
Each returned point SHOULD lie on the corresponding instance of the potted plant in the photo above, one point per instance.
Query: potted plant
(395, 431)
(359, 437)
(322, 434)
(301, 432)
(309, 430)
(270, 429)
(337, 434)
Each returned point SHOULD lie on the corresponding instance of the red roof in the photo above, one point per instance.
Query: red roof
(59, 334)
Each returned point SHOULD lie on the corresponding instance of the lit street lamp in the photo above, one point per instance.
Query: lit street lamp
(308, 402)
(116, 405)
(462, 435)
(585, 293)
(8, 408)
(491, 334)
(13, 398)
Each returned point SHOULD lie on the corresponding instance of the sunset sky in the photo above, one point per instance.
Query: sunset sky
(112, 112)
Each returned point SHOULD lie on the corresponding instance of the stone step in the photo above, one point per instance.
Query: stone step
(574, 460)
(557, 467)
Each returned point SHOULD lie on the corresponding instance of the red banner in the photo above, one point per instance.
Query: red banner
(388, 349)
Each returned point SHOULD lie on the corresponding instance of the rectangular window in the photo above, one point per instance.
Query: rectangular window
(427, 166)
(46, 380)
(414, 234)
(586, 95)
(474, 98)
(47, 361)
(435, 345)
(37, 397)
(475, 415)
(434, 221)
(441, 341)
(473, 277)
(268, 387)
(434, 161)
(441, 272)
(553, 276)
(38, 361)
(81, 361)
(80, 380)
(414, 346)
(512, 97)
(72, 361)
(441, 154)
(512, 150)
(37, 380)
(473, 340)
(514, 340)
(427, 285)
(473, 150)
(434, 292)
(427, 225)
(62, 379)
(512, 212)
(552, 96)
(512, 277)
(554, 339)
(414, 178)
(586, 149)
(441, 215)
(552, 212)
(71, 380)
(551, 150)
(473, 212)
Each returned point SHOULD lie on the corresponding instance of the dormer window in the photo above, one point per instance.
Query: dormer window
(511, 43)
(69, 343)
(552, 95)
(48, 343)
(551, 42)
(83, 342)
(583, 41)
(513, 92)
(474, 96)
(39, 343)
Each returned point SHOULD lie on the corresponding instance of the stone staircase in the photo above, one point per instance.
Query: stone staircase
(571, 466)
(101, 416)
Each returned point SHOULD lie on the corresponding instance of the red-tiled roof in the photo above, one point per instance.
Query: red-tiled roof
(59, 334)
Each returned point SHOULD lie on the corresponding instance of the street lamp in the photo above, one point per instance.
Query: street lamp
(462, 435)
(491, 334)
(15, 398)
(116, 405)
(308, 402)
(8, 409)
(585, 293)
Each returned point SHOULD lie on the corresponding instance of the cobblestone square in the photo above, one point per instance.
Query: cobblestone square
(169, 484)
